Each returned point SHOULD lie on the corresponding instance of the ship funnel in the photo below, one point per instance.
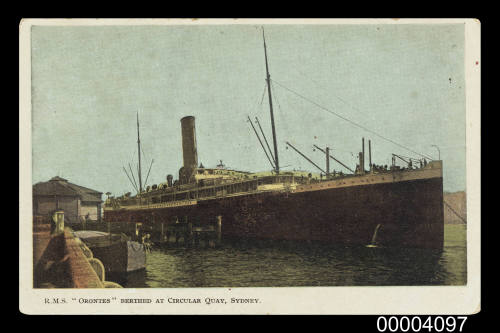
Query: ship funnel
(189, 152)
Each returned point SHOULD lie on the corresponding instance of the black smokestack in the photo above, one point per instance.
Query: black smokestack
(189, 153)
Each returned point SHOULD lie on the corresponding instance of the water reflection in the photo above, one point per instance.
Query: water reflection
(284, 265)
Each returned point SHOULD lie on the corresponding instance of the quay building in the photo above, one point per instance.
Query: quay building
(78, 202)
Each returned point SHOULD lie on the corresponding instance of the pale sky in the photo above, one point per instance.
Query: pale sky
(405, 82)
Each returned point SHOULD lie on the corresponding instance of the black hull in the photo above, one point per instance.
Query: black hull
(407, 213)
(118, 259)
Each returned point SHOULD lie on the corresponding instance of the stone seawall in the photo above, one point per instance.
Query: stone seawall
(80, 271)
(63, 261)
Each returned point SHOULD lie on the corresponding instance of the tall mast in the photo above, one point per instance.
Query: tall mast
(268, 80)
(139, 152)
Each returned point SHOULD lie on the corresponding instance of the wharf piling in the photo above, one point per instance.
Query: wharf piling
(190, 232)
(219, 230)
(186, 231)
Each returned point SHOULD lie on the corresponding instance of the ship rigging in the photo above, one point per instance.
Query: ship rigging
(274, 160)
(138, 187)
(406, 204)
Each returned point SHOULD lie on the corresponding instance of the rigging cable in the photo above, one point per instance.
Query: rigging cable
(459, 216)
(260, 141)
(263, 94)
(279, 106)
(281, 113)
(411, 158)
(147, 176)
(133, 155)
(132, 174)
(348, 120)
(143, 154)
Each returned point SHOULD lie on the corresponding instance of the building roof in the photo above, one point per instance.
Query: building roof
(60, 186)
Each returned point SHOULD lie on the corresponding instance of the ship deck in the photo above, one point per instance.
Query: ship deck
(278, 184)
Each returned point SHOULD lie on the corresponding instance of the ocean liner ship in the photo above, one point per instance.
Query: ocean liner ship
(382, 205)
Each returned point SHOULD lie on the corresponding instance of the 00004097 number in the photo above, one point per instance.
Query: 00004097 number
(417, 324)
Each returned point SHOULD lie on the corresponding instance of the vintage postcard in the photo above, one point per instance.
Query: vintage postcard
(217, 166)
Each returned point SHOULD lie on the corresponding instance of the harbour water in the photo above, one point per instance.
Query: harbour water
(291, 265)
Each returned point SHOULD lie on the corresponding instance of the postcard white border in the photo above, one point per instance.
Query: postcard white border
(297, 300)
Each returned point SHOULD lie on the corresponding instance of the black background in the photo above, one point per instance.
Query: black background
(243, 9)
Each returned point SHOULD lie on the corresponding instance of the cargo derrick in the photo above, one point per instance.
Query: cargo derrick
(340, 209)
(386, 205)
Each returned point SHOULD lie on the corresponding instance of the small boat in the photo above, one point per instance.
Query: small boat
(117, 253)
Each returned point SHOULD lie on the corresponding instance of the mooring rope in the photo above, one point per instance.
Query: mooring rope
(460, 217)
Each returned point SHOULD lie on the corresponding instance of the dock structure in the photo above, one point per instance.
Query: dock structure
(185, 233)
(79, 203)
(338, 208)
(61, 261)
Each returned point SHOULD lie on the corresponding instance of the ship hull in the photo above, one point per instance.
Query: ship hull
(117, 255)
(405, 213)
(122, 257)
